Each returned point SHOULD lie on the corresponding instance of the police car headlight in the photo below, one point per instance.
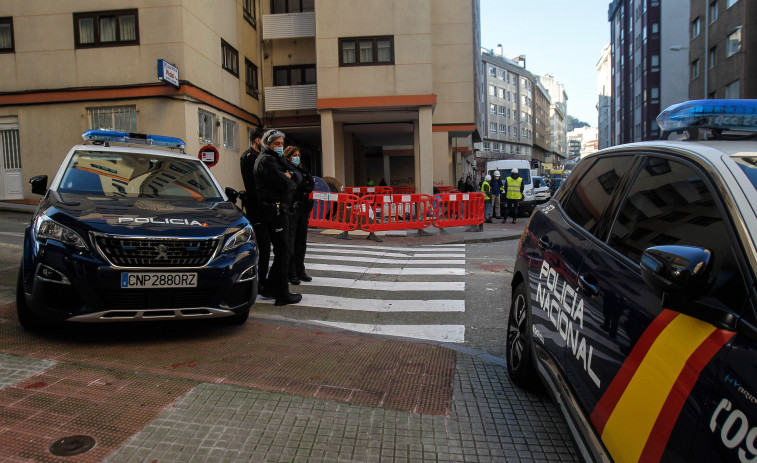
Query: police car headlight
(239, 238)
(46, 228)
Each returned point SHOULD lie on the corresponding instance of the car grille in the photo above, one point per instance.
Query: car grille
(174, 298)
(240, 293)
(150, 252)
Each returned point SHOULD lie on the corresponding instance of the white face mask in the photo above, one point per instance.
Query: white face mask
(296, 161)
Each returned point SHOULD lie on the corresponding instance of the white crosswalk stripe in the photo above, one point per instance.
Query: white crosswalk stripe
(382, 282)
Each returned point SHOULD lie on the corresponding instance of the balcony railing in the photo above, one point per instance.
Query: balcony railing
(289, 25)
(291, 97)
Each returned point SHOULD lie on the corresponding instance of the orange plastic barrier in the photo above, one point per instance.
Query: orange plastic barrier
(446, 189)
(395, 212)
(403, 190)
(368, 190)
(336, 211)
(457, 209)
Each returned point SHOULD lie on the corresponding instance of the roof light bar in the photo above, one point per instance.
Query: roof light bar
(710, 114)
(102, 136)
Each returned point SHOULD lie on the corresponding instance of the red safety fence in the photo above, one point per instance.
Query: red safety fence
(403, 190)
(458, 209)
(446, 189)
(395, 212)
(368, 190)
(337, 211)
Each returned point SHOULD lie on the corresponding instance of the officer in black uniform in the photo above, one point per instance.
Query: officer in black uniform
(300, 215)
(250, 204)
(275, 189)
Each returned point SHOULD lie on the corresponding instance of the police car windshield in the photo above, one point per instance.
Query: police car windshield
(749, 166)
(126, 175)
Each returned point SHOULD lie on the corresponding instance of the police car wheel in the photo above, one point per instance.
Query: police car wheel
(520, 365)
(238, 318)
(28, 319)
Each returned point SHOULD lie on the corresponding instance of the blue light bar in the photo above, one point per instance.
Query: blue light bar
(711, 114)
(112, 136)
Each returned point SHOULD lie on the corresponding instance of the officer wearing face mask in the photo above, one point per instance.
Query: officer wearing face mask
(300, 216)
(275, 190)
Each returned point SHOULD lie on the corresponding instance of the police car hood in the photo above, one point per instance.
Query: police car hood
(142, 216)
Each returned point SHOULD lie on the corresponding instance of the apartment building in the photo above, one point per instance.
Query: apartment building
(558, 115)
(507, 114)
(393, 94)
(542, 128)
(75, 66)
(649, 64)
(604, 90)
(721, 36)
(368, 89)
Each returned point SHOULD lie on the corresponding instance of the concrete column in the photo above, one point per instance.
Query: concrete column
(349, 160)
(388, 169)
(327, 143)
(424, 151)
(339, 152)
(442, 158)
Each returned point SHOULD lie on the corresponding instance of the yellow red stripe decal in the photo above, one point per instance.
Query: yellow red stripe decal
(636, 415)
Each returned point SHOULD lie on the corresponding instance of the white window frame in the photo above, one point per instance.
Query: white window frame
(230, 134)
(207, 127)
(118, 118)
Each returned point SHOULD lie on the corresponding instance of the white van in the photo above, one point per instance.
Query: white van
(504, 166)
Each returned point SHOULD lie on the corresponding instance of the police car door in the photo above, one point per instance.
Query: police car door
(655, 366)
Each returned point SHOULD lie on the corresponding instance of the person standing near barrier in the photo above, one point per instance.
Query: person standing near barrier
(513, 195)
(497, 189)
(468, 187)
(275, 189)
(486, 189)
(300, 215)
(250, 205)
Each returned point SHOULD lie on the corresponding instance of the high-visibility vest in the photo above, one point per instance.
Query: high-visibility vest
(513, 188)
(485, 189)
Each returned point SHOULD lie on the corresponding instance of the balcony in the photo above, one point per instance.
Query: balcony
(289, 25)
(291, 97)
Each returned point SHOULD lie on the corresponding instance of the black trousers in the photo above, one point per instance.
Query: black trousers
(263, 239)
(277, 282)
(510, 205)
(299, 240)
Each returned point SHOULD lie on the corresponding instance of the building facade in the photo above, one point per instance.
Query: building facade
(367, 90)
(604, 90)
(722, 33)
(542, 128)
(648, 65)
(558, 115)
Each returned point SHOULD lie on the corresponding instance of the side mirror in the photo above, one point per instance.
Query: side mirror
(39, 184)
(231, 193)
(680, 271)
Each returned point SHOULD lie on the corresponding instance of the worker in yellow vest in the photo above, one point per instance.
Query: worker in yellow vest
(486, 189)
(513, 194)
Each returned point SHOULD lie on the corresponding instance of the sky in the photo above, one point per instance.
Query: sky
(559, 37)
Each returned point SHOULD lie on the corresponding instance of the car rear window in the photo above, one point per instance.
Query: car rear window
(137, 175)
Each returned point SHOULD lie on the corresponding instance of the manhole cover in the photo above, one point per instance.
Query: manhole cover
(71, 445)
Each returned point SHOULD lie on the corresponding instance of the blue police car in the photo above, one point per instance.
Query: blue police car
(129, 230)
(634, 298)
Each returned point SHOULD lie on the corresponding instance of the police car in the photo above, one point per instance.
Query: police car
(634, 298)
(129, 232)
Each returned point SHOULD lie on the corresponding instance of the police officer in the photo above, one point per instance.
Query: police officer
(275, 189)
(250, 204)
(486, 189)
(300, 216)
(513, 195)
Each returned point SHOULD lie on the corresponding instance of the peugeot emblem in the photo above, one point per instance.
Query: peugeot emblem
(162, 251)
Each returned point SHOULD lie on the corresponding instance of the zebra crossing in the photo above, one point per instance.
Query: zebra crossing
(416, 292)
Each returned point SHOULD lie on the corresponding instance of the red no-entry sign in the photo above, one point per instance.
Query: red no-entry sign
(209, 155)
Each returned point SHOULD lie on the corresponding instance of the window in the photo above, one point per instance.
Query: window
(207, 126)
(730, 3)
(6, 35)
(713, 11)
(733, 43)
(293, 75)
(501, 92)
(503, 74)
(732, 90)
(671, 203)
(503, 111)
(492, 109)
(591, 196)
(230, 58)
(492, 90)
(366, 51)
(493, 71)
(248, 11)
(106, 29)
(119, 118)
(503, 129)
(493, 127)
(695, 27)
(292, 6)
(695, 69)
(230, 134)
(654, 60)
(713, 57)
(251, 78)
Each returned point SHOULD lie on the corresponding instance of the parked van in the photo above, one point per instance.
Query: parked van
(504, 166)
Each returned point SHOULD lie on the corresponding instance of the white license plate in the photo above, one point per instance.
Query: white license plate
(158, 280)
